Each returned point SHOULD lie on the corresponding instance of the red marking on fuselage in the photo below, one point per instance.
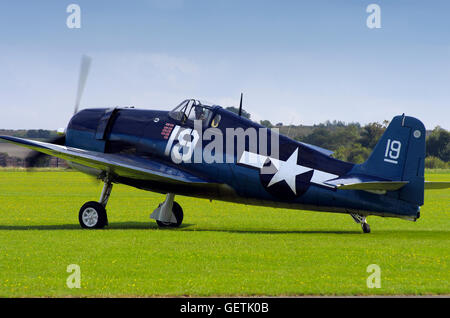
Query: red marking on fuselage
(167, 129)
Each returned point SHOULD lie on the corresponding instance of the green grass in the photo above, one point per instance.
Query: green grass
(222, 249)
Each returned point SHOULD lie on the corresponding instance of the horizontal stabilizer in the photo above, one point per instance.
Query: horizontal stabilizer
(430, 185)
(374, 186)
(366, 183)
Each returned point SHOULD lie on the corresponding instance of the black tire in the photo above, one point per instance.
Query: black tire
(178, 212)
(92, 215)
(366, 228)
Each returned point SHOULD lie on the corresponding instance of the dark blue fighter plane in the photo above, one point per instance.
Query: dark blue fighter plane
(156, 151)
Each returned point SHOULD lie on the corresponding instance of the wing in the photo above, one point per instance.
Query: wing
(129, 167)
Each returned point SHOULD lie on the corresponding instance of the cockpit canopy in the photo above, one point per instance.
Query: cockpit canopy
(192, 109)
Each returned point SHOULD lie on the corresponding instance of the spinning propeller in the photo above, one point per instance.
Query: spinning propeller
(84, 71)
(34, 158)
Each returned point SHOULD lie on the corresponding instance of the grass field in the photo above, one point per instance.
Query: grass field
(222, 249)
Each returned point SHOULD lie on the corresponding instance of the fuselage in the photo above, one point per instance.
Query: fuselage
(159, 135)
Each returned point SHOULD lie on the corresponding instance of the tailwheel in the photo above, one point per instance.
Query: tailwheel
(92, 215)
(361, 219)
(177, 212)
(365, 227)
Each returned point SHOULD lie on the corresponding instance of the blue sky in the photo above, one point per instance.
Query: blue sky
(299, 62)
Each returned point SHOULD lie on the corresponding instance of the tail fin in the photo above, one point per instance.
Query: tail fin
(399, 156)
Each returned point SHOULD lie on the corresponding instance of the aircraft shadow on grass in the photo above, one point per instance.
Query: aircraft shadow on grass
(184, 228)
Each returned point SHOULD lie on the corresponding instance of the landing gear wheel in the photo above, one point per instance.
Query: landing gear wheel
(178, 213)
(93, 216)
(365, 227)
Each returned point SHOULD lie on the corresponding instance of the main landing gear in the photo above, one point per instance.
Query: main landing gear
(361, 219)
(169, 213)
(92, 214)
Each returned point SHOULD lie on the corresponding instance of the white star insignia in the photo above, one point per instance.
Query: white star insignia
(288, 171)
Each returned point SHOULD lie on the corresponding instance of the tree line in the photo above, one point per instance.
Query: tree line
(354, 143)
(350, 141)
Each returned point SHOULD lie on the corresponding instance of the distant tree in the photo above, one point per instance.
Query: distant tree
(345, 136)
(43, 161)
(3, 157)
(266, 123)
(40, 133)
(236, 111)
(31, 133)
(345, 139)
(357, 125)
(438, 144)
(355, 153)
(351, 142)
(321, 137)
(435, 163)
(358, 154)
(370, 134)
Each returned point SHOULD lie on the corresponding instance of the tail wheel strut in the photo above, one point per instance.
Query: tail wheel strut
(361, 219)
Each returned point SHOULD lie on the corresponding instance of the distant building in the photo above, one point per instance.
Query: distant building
(3, 157)
(14, 162)
(57, 163)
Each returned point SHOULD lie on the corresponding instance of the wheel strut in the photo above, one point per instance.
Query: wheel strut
(106, 192)
(361, 219)
(169, 213)
(163, 212)
(93, 214)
